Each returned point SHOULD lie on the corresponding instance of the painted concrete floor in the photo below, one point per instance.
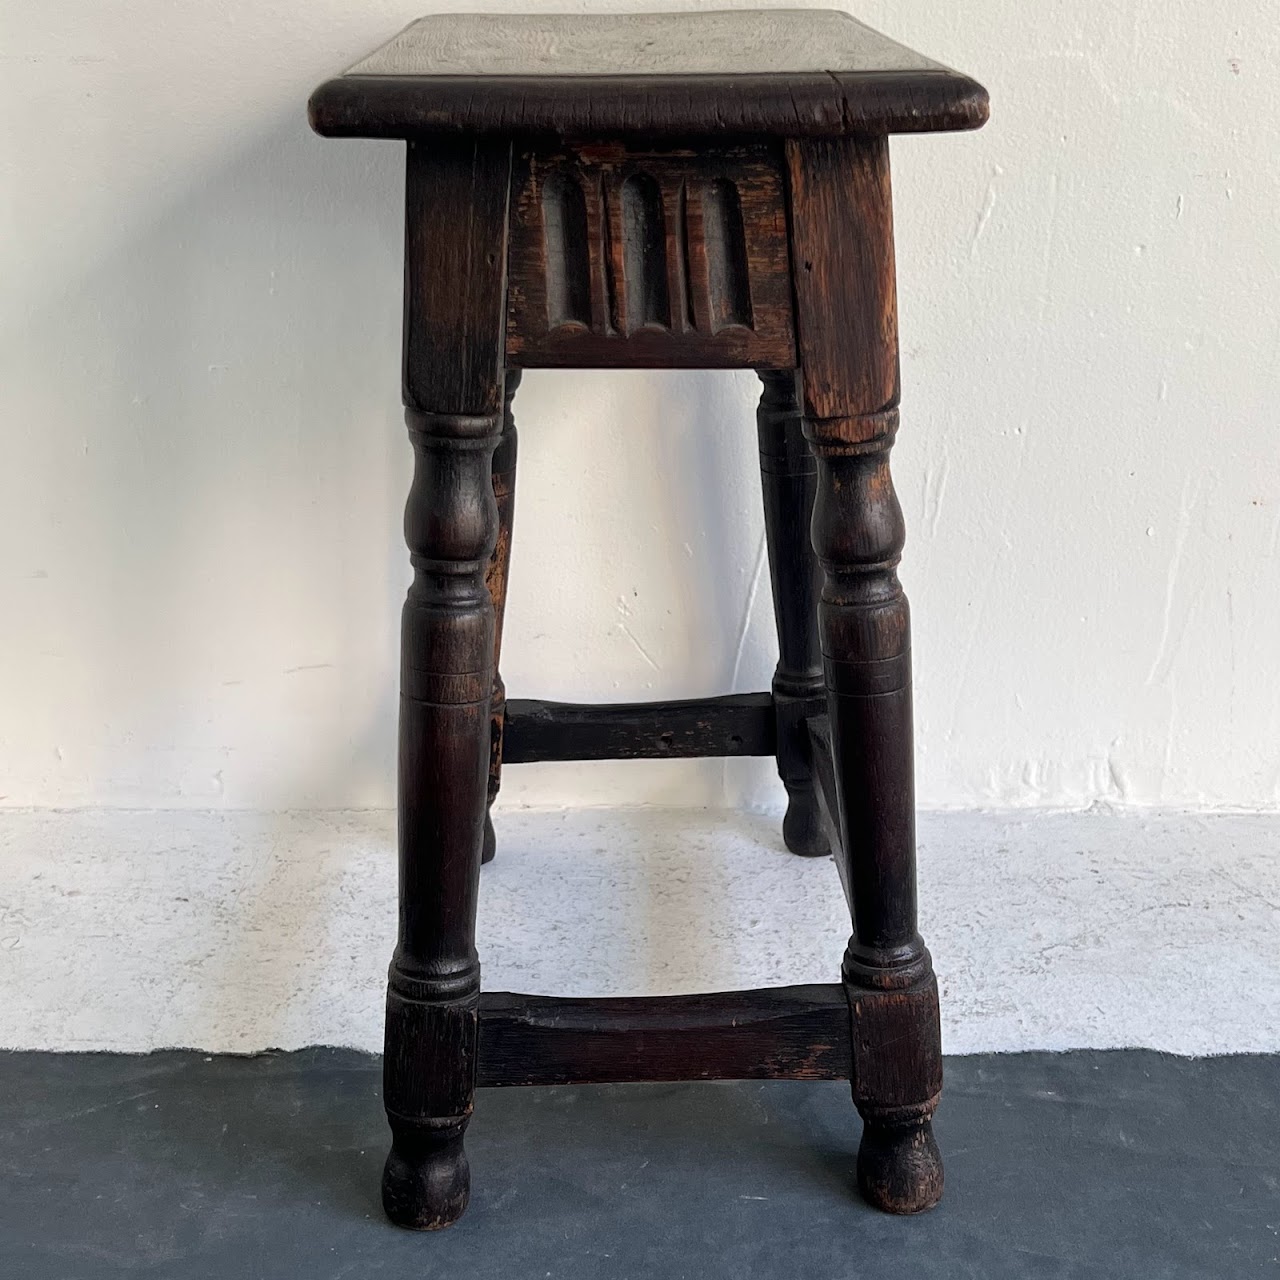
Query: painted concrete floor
(1074, 1166)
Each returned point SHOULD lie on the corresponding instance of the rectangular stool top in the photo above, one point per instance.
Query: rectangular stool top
(785, 72)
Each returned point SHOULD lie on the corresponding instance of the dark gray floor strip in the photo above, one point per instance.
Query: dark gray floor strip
(178, 1165)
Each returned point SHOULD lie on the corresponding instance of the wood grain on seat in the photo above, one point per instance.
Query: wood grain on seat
(791, 73)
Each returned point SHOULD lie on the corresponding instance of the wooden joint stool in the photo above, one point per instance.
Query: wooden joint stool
(680, 191)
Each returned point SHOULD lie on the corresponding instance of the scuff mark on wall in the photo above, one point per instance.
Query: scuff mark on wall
(984, 214)
(1163, 659)
(748, 608)
(935, 490)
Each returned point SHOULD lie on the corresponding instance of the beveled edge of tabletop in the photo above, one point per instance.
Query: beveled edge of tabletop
(794, 104)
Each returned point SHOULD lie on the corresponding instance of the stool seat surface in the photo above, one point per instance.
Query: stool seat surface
(788, 72)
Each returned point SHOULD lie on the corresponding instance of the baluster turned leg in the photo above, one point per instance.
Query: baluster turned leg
(787, 474)
(843, 248)
(456, 198)
(504, 492)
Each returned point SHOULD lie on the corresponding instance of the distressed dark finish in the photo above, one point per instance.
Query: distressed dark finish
(787, 475)
(847, 315)
(739, 724)
(455, 282)
(719, 106)
(635, 258)
(739, 74)
(783, 1033)
(684, 218)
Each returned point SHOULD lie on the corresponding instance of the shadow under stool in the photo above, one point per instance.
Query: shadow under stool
(704, 190)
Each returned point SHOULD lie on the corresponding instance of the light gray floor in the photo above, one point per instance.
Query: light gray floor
(237, 931)
(181, 1165)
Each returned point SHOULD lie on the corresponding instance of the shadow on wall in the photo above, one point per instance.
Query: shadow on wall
(222, 468)
(213, 512)
(653, 500)
(226, 454)
(218, 468)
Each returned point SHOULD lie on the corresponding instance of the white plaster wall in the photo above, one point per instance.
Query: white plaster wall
(203, 459)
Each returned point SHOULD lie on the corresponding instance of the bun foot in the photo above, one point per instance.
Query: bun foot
(900, 1167)
(426, 1183)
(802, 829)
(489, 845)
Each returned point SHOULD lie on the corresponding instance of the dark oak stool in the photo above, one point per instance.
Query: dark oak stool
(641, 191)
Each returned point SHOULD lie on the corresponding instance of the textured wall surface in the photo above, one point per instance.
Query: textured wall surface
(204, 458)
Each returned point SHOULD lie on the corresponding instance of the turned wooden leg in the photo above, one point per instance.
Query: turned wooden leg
(455, 277)
(787, 473)
(843, 245)
(504, 492)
